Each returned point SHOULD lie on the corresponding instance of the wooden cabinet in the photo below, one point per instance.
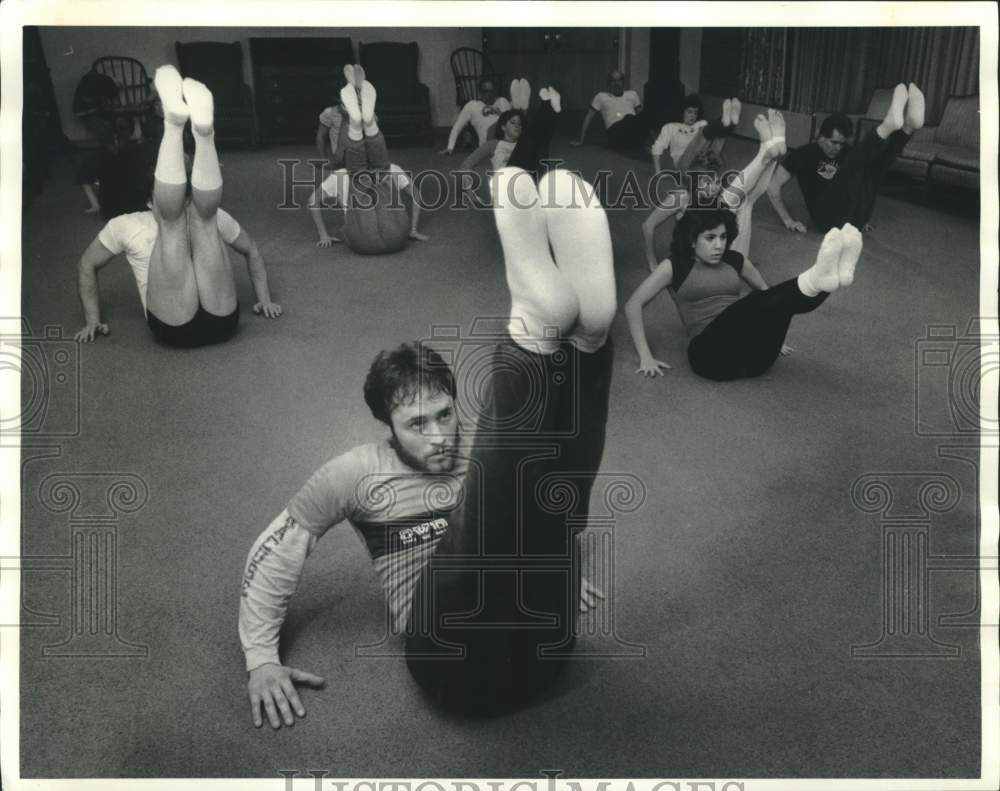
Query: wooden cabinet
(294, 79)
(575, 60)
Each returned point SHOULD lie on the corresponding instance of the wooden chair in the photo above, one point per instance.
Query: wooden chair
(135, 88)
(470, 67)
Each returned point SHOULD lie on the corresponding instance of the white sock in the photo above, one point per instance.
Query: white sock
(199, 101)
(850, 254)
(823, 275)
(170, 158)
(205, 171)
(349, 98)
(543, 304)
(581, 244)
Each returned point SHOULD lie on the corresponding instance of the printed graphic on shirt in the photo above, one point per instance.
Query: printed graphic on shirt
(383, 538)
(826, 169)
(265, 549)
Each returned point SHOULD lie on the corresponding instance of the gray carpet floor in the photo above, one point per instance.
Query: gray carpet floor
(746, 576)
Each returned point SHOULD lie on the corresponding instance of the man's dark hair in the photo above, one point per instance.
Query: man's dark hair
(837, 122)
(397, 376)
(694, 223)
(692, 100)
(504, 118)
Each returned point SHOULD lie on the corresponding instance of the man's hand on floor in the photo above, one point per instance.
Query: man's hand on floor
(273, 687)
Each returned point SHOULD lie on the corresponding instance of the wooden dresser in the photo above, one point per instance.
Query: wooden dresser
(294, 79)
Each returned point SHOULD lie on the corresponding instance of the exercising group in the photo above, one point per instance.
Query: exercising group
(485, 585)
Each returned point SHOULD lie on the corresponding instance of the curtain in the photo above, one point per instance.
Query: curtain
(942, 61)
(762, 68)
(830, 68)
(840, 68)
(721, 50)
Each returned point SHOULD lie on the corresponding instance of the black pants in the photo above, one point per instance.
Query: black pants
(533, 145)
(630, 132)
(745, 339)
(369, 153)
(850, 197)
(494, 612)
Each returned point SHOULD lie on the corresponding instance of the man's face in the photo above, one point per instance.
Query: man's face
(487, 93)
(616, 83)
(832, 145)
(426, 431)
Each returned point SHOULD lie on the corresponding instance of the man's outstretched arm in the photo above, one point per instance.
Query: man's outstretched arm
(247, 247)
(778, 180)
(270, 578)
(584, 126)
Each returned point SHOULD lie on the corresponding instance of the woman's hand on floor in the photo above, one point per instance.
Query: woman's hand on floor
(328, 241)
(786, 350)
(652, 367)
(273, 687)
(90, 332)
(269, 310)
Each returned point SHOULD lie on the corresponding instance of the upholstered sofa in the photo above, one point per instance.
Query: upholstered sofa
(949, 152)
(945, 154)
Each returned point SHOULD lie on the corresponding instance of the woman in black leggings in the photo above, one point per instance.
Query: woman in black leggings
(733, 337)
(521, 141)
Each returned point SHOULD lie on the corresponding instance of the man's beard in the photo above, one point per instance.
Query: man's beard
(418, 463)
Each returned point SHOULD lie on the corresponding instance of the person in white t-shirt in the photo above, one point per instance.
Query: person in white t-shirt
(621, 111)
(481, 113)
(675, 136)
(176, 250)
(521, 141)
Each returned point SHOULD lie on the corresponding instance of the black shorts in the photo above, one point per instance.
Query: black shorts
(203, 329)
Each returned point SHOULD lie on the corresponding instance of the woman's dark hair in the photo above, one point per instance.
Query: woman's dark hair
(504, 118)
(397, 376)
(692, 100)
(694, 223)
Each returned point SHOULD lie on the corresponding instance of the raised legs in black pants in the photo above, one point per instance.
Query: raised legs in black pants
(493, 614)
(533, 145)
(746, 338)
(851, 198)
